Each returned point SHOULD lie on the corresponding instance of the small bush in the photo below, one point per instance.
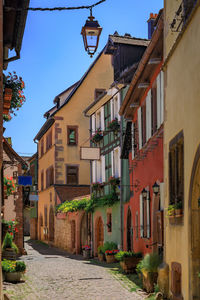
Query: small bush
(8, 242)
(20, 266)
(120, 256)
(109, 246)
(149, 263)
(10, 266)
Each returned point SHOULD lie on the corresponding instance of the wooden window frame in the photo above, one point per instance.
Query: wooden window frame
(75, 128)
(176, 169)
(72, 166)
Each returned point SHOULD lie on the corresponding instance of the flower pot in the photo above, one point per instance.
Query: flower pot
(9, 254)
(7, 94)
(110, 259)
(178, 212)
(86, 253)
(13, 276)
(129, 264)
(101, 256)
(149, 280)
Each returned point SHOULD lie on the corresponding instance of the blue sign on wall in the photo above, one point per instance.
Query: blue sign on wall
(24, 180)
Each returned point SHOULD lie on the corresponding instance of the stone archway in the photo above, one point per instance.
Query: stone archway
(51, 224)
(194, 222)
(83, 231)
(129, 231)
(99, 233)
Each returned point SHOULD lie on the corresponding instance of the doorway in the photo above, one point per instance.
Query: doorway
(129, 238)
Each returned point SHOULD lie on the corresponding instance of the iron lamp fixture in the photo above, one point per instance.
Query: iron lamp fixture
(144, 193)
(156, 188)
(91, 33)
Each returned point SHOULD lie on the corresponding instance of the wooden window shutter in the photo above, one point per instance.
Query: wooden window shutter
(103, 168)
(139, 127)
(119, 104)
(141, 217)
(119, 161)
(93, 124)
(158, 90)
(148, 215)
(132, 140)
(161, 97)
(102, 118)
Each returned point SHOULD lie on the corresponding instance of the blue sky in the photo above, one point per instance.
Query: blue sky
(53, 56)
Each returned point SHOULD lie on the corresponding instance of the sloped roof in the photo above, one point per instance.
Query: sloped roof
(12, 154)
(70, 192)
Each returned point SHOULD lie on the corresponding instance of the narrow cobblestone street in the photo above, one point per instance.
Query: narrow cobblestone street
(52, 274)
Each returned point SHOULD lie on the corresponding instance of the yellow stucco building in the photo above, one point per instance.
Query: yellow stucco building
(182, 146)
(62, 175)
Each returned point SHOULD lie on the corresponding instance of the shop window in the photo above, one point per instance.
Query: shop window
(176, 169)
(109, 222)
(72, 174)
(72, 135)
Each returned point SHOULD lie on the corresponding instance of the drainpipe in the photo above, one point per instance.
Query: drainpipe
(121, 187)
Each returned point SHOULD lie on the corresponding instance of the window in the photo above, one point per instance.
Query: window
(42, 147)
(98, 93)
(49, 176)
(154, 107)
(72, 174)
(98, 119)
(72, 135)
(115, 105)
(42, 180)
(176, 169)
(116, 162)
(49, 140)
(145, 216)
(109, 222)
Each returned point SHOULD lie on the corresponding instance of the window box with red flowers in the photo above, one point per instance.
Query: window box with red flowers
(13, 95)
(97, 137)
(110, 255)
(9, 186)
(114, 125)
(86, 251)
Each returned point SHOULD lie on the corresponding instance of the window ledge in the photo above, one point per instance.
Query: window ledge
(176, 219)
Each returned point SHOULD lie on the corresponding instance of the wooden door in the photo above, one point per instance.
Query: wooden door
(100, 232)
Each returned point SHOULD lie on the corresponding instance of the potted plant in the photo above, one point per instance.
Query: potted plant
(178, 209)
(101, 254)
(110, 255)
(13, 270)
(86, 251)
(13, 93)
(9, 249)
(128, 260)
(114, 125)
(9, 186)
(148, 267)
(97, 137)
(171, 211)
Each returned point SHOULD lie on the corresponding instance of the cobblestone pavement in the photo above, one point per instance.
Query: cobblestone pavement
(53, 274)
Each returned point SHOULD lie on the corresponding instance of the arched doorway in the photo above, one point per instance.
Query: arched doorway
(129, 231)
(194, 207)
(51, 224)
(99, 233)
(83, 230)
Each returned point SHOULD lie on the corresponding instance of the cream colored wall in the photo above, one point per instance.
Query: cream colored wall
(182, 112)
(100, 76)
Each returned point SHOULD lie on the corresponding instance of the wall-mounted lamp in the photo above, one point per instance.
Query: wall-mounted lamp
(144, 193)
(156, 188)
(91, 33)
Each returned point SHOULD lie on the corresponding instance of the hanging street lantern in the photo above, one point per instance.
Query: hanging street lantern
(91, 33)
(144, 193)
(156, 188)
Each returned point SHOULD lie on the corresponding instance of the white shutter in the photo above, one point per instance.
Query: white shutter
(112, 162)
(94, 171)
(148, 115)
(98, 171)
(148, 214)
(139, 127)
(118, 116)
(132, 140)
(161, 97)
(103, 165)
(93, 124)
(158, 101)
(141, 217)
(111, 110)
(102, 118)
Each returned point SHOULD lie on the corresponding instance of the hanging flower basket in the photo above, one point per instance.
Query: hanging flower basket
(9, 186)
(114, 125)
(97, 137)
(13, 94)
(114, 180)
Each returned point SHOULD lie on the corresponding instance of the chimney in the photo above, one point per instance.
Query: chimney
(151, 22)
